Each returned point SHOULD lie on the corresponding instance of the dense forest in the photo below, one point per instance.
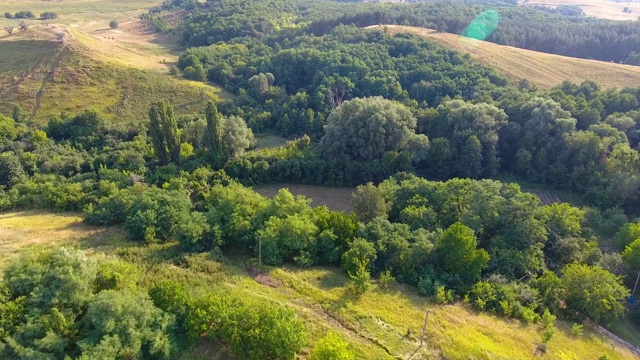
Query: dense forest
(424, 133)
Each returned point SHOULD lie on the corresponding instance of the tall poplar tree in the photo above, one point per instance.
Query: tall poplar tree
(163, 130)
(213, 136)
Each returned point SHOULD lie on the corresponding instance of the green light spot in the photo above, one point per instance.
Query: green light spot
(483, 25)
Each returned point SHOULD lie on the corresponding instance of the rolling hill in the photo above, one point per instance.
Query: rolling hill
(118, 72)
(542, 69)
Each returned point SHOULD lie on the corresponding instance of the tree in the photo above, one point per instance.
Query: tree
(368, 203)
(469, 162)
(285, 238)
(593, 292)
(237, 137)
(365, 128)
(361, 276)
(9, 29)
(8, 15)
(23, 25)
(113, 24)
(24, 14)
(458, 256)
(332, 347)
(48, 15)
(163, 131)
(213, 141)
(628, 233)
(196, 72)
(11, 170)
(141, 329)
(631, 257)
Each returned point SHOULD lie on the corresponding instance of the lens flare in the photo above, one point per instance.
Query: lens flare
(483, 25)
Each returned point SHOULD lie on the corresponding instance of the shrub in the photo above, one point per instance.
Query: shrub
(113, 24)
(331, 347)
(577, 330)
(386, 279)
(48, 15)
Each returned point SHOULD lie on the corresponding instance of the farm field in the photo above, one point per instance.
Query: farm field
(605, 9)
(380, 324)
(335, 198)
(542, 69)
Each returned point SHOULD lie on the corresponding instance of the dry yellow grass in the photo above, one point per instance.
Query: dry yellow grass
(24, 229)
(542, 69)
(605, 9)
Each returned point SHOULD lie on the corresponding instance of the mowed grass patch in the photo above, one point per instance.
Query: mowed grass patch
(542, 69)
(335, 198)
(22, 230)
(264, 141)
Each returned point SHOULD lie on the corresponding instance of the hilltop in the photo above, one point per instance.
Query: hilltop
(542, 69)
(77, 62)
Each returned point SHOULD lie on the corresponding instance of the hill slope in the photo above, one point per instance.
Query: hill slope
(542, 69)
(380, 324)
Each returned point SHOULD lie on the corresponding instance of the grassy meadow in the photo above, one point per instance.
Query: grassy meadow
(542, 69)
(380, 324)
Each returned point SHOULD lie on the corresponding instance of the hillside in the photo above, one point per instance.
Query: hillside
(605, 9)
(118, 72)
(544, 70)
(380, 324)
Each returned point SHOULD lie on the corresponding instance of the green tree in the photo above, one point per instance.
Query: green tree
(364, 129)
(163, 131)
(368, 203)
(628, 233)
(213, 141)
(360, 252)
(284, 238)
(631, 257)
(141, 330)
(11, 170)
(593, 292)
(458, 255)
(237, 137)
(469, 163)
(332, 347)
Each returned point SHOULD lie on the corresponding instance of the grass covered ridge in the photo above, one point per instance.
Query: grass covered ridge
(376, 324)
(542, 69)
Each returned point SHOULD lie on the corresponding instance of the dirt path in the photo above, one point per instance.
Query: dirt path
(48, 78)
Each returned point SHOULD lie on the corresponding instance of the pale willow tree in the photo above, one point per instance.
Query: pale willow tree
(365, 128)
(237, 137)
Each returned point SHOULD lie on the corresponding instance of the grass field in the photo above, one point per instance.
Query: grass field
(542, 69)
(376, 324)
(119, 72)
(335, 198)
(606, 9)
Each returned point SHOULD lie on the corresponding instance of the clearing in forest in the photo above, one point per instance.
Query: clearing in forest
(542, 69)
(335, 198)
